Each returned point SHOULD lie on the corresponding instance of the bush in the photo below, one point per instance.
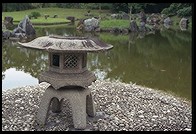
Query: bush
(187, 11)
(35, 14)
(180, 9)
(168, 11)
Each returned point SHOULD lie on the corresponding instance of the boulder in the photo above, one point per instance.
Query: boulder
(20, 35)
(9, 20)
(184, 23)
(166, 26)
(71, 18)
(115, 30)
(114, 16)
(153, 19)
(6, 34)
(3, 26)
(125, 31)
(143, 16)
(133, 26)
(125, 16)
(142, 26)
(46, 16)
(55, 16)
(167, 21)
(91, 24)
(80, 25)
(25, 27)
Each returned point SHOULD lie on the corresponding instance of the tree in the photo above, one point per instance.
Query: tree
(39, 5)
(180, 9)
(148, 7)
(116, 7)
(8, 7)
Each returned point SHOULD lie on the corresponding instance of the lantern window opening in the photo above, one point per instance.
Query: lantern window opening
(56, 60)
(83, 61)
(71, 61)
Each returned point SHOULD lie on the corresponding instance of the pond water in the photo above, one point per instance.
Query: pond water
(160, 60)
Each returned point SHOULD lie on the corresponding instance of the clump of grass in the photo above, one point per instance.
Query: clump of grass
(35, 14)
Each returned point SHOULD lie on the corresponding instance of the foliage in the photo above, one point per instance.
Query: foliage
(187, 11)
(166, 8)
(106, 6)
(8, 7)
(37, 5)
(89, 5)
(116, 7)
(148, 7)
(137, 7)
(155, 7)
(43, 5)
(103, 6)
(180, 9)
(35, 14)
(68, 5)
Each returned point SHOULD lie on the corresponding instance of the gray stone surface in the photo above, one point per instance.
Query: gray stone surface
(142, 16)
(114, 16)
(119, 106)
(8, 21)
(56, 43)
(58, 80)
(26, 27)
(167, 21)
(80, 105)
(133, 26)
(142, 26)
(91, 24)
(6, 34)
(183, 24)
(125, 16)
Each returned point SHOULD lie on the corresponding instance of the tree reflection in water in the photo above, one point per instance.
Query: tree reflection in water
(160, 60)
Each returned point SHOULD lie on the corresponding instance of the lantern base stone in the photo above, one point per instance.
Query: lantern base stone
(81, 101)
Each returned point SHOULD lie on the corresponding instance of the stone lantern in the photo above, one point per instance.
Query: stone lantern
(68, 75)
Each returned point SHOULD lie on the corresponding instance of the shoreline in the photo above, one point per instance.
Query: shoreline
(119, 106)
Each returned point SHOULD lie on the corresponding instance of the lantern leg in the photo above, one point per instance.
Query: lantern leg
(42, 113)
(90, 109)
(78, 105)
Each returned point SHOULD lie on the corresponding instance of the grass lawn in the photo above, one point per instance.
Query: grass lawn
(77, 13)
(61, 12)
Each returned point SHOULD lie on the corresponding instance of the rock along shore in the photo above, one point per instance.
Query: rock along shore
(119, 106)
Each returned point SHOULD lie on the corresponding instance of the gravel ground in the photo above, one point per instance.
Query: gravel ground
(119, 107)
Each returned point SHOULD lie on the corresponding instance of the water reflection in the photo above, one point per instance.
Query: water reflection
(26, 60)
(160, 60)
(22, 78)
(153, 61)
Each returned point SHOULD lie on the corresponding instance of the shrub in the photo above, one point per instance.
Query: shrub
(187, 11)
(168, 11)
(35, 14)
(180, 9)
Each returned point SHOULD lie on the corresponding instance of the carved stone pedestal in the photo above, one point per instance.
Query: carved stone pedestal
(80, 99)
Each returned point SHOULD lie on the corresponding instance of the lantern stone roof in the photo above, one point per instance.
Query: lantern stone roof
(57, 43)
